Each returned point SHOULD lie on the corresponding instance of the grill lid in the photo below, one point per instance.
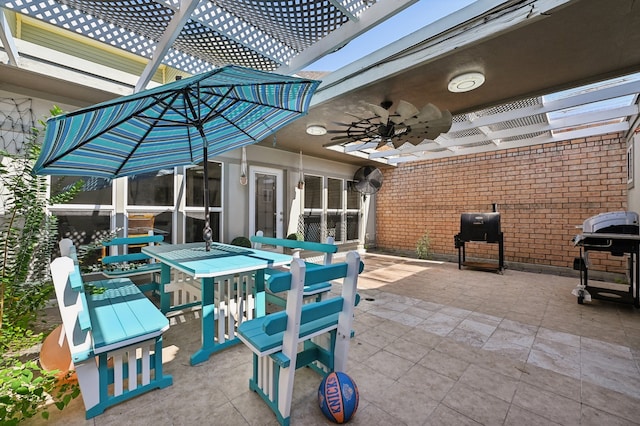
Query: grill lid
(620, 222)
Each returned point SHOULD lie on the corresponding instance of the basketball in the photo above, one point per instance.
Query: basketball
(338, 397)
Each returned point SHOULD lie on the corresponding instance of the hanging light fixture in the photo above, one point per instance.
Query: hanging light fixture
(243, 167)
(301, 178)
(316, 130)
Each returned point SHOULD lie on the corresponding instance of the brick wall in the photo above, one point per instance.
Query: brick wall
(542, 193)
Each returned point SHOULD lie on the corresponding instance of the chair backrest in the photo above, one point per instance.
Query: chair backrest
(327, 248)
(73, 306)
(65, 245)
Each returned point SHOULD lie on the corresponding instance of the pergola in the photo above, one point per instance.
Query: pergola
(555, 69)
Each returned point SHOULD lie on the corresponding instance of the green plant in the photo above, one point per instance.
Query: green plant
(296, 236)
(25, 388)
(27, 238)
(241, 242)
(423, 246)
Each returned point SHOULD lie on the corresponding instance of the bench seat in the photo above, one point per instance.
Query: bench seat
(114, 334)
(122, 315)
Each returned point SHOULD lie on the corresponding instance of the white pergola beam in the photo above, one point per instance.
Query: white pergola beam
(624, 89)
(172, 32)
(7, 41)
(372, 16)
(574, 134)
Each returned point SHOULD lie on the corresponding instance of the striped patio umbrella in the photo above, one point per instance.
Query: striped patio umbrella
(180, 123)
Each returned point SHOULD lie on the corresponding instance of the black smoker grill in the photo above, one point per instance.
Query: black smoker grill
(480, 228)
(617, 233)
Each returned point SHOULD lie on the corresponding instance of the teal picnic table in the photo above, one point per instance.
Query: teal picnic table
(231, 284)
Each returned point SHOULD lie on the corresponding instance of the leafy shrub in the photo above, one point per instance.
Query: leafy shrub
(28, 236)
(241, 242)
(423, 246)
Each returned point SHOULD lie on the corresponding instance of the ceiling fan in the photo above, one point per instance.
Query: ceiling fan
(406, 124)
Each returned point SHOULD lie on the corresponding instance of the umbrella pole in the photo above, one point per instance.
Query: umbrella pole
(207, 234)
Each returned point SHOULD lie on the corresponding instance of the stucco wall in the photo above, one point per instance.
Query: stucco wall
(542, 192)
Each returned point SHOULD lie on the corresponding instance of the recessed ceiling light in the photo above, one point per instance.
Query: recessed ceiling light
(466, 82)
(316, 130)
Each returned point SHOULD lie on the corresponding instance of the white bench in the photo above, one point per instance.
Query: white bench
(313, 334)
(114, 334)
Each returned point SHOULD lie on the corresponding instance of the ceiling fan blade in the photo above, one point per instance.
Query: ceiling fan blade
(348, 131)
(429, 112)
(342, 139)
(328, 144)
(443, 122)
(397, 143)
(404, 111)
(382, 143)
(379, 111)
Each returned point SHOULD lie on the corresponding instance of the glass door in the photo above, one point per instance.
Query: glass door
(266, 212)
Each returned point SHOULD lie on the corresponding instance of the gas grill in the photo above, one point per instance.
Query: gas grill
(480, 228)
(619, 234)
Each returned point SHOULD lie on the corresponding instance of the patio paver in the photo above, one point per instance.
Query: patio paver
(434, 345)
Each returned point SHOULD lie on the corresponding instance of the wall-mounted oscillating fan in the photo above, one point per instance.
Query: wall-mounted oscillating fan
(367, 180)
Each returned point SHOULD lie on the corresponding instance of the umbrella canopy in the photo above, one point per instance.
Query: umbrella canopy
(180, 123)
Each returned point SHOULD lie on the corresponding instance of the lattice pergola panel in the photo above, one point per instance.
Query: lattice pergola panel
(257, 34)
(524, 103)
(530, 120)
(297, 24)
(527, 136)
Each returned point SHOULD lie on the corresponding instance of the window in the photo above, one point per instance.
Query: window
(94, 190)
(194, 225)
(338, 216)
(334, 208)
(312, 226)
(353, 212)
(195, 185)
(151, 189)
(194, 210)
(83, 228)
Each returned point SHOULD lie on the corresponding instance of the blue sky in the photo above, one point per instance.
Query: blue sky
(406, 22)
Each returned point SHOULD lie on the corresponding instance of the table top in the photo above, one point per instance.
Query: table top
(222, 259)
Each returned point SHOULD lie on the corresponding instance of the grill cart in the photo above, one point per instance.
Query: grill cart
(480, 228)
(616, 233)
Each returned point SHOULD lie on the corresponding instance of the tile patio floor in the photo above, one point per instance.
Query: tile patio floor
(434, 346)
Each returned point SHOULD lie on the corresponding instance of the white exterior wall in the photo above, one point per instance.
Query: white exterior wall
(235, 220)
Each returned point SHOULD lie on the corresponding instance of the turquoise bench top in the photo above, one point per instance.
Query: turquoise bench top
(122, 314)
